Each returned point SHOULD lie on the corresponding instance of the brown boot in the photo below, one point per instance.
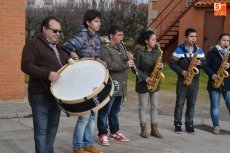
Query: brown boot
(79, 150)
(144, 133)
(154, 131)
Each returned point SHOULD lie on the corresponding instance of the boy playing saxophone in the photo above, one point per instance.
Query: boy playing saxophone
(184, 64)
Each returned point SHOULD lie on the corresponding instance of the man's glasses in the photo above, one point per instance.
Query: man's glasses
(56, 31)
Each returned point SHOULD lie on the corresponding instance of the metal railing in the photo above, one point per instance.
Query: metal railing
(169, 15)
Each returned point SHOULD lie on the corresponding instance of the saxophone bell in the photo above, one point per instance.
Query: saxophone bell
(195, 70)
(225, 73)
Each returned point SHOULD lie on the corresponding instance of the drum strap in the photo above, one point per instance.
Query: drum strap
(56, 53)
(67, 114)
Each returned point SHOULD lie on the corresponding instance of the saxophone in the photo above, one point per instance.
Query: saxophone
(156, 74)
(192, 70)
(221, 73)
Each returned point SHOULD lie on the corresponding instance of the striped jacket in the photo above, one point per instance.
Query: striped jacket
(181, 58)
(84, 43)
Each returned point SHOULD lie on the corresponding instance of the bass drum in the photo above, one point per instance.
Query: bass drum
(84, 86)
(91, 105)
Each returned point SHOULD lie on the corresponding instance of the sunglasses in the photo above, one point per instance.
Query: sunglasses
(56, 31)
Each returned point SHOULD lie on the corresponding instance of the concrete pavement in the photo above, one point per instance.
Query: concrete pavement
(16, 133)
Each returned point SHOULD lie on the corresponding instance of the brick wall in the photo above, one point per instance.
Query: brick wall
(12, 40)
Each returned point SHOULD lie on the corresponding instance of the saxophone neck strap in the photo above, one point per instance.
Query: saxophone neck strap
(185, 53)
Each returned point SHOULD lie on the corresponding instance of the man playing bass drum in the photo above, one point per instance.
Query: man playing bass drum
(181, 60)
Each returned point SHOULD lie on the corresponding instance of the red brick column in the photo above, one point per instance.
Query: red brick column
(12, 40)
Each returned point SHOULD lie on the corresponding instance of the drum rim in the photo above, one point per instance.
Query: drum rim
(98, 90)
(95, 109)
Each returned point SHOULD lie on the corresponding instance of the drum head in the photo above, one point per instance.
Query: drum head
(91, 105)
(80, 81)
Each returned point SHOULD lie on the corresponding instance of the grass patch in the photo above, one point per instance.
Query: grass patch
(26, 78)
(169, 82)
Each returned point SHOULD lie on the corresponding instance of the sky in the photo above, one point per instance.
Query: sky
(144, 1)
(40, 3)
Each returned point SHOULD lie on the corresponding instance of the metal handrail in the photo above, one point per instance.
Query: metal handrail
(176, 21)
(160, 14)
(167, 14)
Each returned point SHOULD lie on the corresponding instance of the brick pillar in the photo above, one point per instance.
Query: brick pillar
(12, 40)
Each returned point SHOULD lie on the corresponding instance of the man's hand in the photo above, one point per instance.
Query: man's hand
(161, 65)
(214, 77)
(54, 76)
(197, 62)
(74, 56)
(185, 73)
(226, 66)
(130, 63)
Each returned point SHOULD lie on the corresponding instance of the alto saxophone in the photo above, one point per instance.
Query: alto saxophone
(192, 70)
(156, 74)
(221, 73)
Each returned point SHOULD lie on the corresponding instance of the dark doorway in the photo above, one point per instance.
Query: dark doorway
(213, 27)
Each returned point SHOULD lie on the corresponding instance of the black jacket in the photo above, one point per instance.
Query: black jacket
(213, 62)
(145, 62)
(38, 60)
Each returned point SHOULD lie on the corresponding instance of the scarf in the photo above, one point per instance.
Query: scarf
(223, 51)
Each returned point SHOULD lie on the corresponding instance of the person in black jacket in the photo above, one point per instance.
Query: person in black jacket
(180, 61)
(42, 57)
(146, 57)
(213, 64)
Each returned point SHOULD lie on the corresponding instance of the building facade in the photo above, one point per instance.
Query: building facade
(12, 40)
(170, 19)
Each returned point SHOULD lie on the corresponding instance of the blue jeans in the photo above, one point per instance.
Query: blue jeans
(109, 113)
(46, 116)
(83, 133)
(214, 97)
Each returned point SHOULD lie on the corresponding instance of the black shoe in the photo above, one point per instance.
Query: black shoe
(178, 129)
(190, 129)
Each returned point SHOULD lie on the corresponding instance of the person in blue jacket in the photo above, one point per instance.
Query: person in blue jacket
(180, 61)
(85, 43)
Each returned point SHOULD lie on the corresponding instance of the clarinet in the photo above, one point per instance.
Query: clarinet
(134, 67)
